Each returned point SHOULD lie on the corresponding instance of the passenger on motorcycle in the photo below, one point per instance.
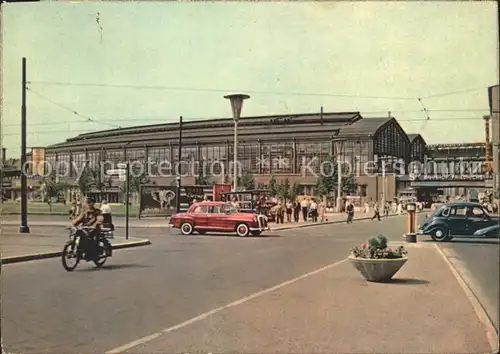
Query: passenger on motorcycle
(91, 218)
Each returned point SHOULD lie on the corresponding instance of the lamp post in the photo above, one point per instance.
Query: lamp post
(24, 228)
(236, 106)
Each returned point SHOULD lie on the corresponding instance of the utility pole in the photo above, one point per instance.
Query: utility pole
(178, 196)
(127, 199)
(24, 183)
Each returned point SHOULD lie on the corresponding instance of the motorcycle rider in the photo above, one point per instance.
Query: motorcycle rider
(92, 218)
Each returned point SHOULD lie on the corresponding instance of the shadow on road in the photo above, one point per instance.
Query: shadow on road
(113, 267)
(479, 241)
(408, 281)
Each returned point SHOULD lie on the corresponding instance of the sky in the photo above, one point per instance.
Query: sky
(100, 65)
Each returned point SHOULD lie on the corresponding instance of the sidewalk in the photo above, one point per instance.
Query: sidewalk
(26, 247)
(119, 222)
(334, 310)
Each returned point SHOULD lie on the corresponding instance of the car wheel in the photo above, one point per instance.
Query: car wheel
(242, 230)
(440, 234)
(186, 228)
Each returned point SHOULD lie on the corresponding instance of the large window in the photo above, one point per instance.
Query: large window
(248, 157)
(215, 156)
(63, 164)
(311, 155)
(136, 155)
(277, 157)
(159, 157)
(50, 162)
(113, 157)
(78, 162)
(94, 158)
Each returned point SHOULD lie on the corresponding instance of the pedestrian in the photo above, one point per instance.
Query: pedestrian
(280, 213)
(400, 208)
(367, 207)
(296, 211)
(350, 212)
(376, 211)
(313, 208)
(304, 204)
(322, 210)
(289, 210)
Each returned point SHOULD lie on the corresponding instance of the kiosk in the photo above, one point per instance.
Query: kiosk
(411, 235)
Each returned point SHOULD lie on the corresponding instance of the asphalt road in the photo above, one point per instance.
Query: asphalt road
(478, 263)
(143, 290)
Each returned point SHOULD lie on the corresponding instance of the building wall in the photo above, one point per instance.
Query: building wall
(495, 128)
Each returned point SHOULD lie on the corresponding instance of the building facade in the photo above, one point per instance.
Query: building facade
(292, 147)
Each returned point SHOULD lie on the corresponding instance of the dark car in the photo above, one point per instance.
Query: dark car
(454, 220)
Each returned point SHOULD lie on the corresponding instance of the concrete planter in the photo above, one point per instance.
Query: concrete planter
(377, 270)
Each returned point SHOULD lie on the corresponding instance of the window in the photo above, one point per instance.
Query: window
(459, 211)
(216, 210)
(362, 190)
(477, 212)
(445, 212)
(201, 209)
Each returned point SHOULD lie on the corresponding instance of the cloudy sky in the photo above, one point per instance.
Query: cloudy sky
(95, 66)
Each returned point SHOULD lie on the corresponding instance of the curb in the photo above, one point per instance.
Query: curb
(46, 255)
(490, 331)
(299, 226)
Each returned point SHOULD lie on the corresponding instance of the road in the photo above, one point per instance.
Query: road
(478, 263)
(144, 290)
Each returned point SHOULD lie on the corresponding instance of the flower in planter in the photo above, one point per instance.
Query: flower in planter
(377, 249)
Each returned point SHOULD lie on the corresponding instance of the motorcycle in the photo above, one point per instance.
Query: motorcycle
(74, 250)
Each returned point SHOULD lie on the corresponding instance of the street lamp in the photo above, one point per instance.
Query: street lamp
(236, 105)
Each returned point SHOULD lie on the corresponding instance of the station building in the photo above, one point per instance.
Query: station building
(284, 146)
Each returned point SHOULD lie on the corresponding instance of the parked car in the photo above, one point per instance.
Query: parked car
(461, 219)
(205, 217)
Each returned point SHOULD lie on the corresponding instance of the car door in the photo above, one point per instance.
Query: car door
(217, 219)
(457, 222)
(477, 219)
(200, 216)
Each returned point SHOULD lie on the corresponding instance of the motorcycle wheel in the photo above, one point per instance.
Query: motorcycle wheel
(70, 253)
(103, 254)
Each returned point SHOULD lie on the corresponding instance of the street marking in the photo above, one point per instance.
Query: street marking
(491, 333)
(219, 309)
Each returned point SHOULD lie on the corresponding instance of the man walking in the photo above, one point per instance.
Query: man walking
(350, 212)
(376, 211)
(313, 208)
(304, 204)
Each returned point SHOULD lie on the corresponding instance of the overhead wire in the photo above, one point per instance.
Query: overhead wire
(87, 118)
(176, 88)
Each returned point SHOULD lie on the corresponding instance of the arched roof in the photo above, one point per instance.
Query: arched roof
(349, 125)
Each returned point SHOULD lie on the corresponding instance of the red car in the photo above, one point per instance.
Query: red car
(218, 217)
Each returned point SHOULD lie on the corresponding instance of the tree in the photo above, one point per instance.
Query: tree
(284, 189)
(85, 181)
(51, 188)
(273, 187)
(349, 184)
(327, 181)
(247, 181)
(202, 179)
(137, 178)
(295, 190)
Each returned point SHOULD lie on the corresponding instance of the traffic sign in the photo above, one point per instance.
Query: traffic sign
(115, 172)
